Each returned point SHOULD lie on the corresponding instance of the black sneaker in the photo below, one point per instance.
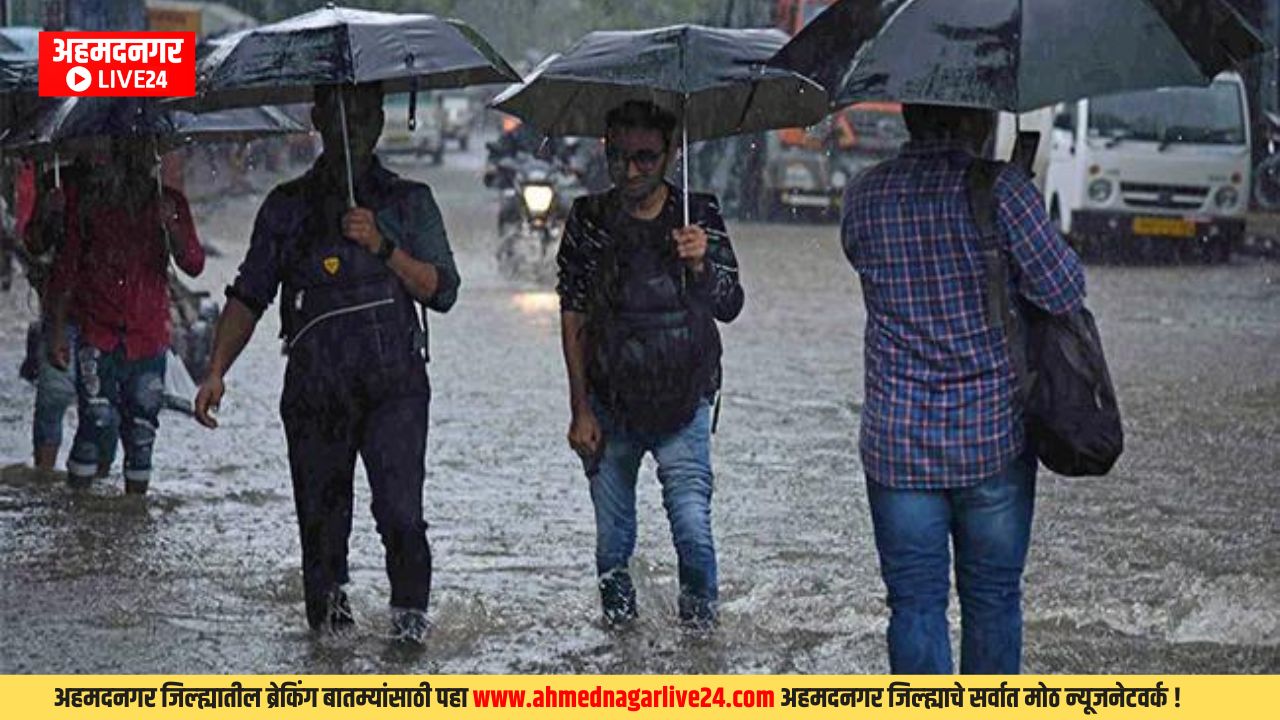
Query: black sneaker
(409, 626)
(618, 598)
(135, 487)
(339, 617)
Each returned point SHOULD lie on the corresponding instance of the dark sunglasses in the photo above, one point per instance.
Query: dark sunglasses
(645, 160)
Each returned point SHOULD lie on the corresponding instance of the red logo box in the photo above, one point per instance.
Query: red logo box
(117, 64)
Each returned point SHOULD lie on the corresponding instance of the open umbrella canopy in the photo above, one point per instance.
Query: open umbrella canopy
(1015, 55)
(19, 76)
(282, 62)
(68, 124)
(19, 84)
(713, 78)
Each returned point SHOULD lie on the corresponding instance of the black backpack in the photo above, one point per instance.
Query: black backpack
(650, 370)
(1069, 403)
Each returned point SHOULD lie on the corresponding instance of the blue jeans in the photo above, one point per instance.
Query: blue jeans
(55, 392)
(989, 525)
(684, 469)
(110, 386)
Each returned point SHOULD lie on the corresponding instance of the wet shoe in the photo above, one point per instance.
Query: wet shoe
(339, 618)
(135, 487)
(409, 627)
(79, 482)
(618, 598)
(698, 616)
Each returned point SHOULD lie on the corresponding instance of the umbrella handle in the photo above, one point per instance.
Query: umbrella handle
(346, 150)
(155, 149)
(164, 226)
(684, 169)
(684, 160)
(57, 172)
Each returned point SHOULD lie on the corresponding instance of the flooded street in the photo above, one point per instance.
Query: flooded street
(1169, 565)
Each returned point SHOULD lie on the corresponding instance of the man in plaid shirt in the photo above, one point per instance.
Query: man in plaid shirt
(942, 439)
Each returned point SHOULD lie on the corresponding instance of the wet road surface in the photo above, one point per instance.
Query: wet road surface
(1171, 564)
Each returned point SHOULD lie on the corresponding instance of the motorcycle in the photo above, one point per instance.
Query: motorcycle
(536, 195)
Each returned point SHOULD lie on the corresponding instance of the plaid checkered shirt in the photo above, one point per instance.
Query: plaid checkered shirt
(939, 410)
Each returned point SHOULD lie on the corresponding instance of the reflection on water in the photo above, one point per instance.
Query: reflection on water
(537, 302)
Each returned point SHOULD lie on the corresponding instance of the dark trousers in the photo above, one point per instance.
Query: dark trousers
(380, 414)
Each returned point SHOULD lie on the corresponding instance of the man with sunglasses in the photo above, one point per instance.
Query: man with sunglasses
(640, 294)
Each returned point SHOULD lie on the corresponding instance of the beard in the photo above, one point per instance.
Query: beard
(635, 190)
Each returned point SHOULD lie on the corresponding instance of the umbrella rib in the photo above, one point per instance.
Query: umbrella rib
(746, 107)
(870, 42)
(564, 109)
(349, 51)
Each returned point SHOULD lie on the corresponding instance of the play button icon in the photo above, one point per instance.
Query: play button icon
(78, 79)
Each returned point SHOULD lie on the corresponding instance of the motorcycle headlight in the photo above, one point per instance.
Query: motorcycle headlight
(799, 177)
(839, 179)
(1227, 197)
(538, 198)
(1100, 190)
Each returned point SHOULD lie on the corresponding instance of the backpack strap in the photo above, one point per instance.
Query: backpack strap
(981, 181)
(1001, 311)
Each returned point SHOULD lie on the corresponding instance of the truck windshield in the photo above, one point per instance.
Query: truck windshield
(1212, 115)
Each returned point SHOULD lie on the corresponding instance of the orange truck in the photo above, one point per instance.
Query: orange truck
(807, 169)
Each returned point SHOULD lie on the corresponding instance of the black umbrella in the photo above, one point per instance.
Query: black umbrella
(69, 124)
(282, 62)
(1015, 55)
(19, 84)
(714, 79)
(67, 121)
(18, 76)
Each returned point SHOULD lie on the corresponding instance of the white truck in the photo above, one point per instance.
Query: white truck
(1145, 173)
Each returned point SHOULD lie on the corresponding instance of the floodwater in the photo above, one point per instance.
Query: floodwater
(1169, 565)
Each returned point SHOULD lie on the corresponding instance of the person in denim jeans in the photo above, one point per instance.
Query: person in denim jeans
(42, 236)
(111, 276)
(640, 294)
(942, 438)
(55, 392)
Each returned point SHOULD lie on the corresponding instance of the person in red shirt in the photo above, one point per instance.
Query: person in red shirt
(112, 276)
(42, 223)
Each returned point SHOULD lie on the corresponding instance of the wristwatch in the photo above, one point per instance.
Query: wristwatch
(386, 249)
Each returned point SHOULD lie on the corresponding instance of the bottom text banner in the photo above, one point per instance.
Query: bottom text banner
(739, 697)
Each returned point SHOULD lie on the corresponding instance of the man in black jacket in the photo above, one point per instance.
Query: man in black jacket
(640, 294)
(352, 281)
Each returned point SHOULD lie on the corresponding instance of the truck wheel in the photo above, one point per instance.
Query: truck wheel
(1266, 183)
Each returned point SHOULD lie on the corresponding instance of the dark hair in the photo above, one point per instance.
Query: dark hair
(325, 94)
(944, 122)
(641, 115)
